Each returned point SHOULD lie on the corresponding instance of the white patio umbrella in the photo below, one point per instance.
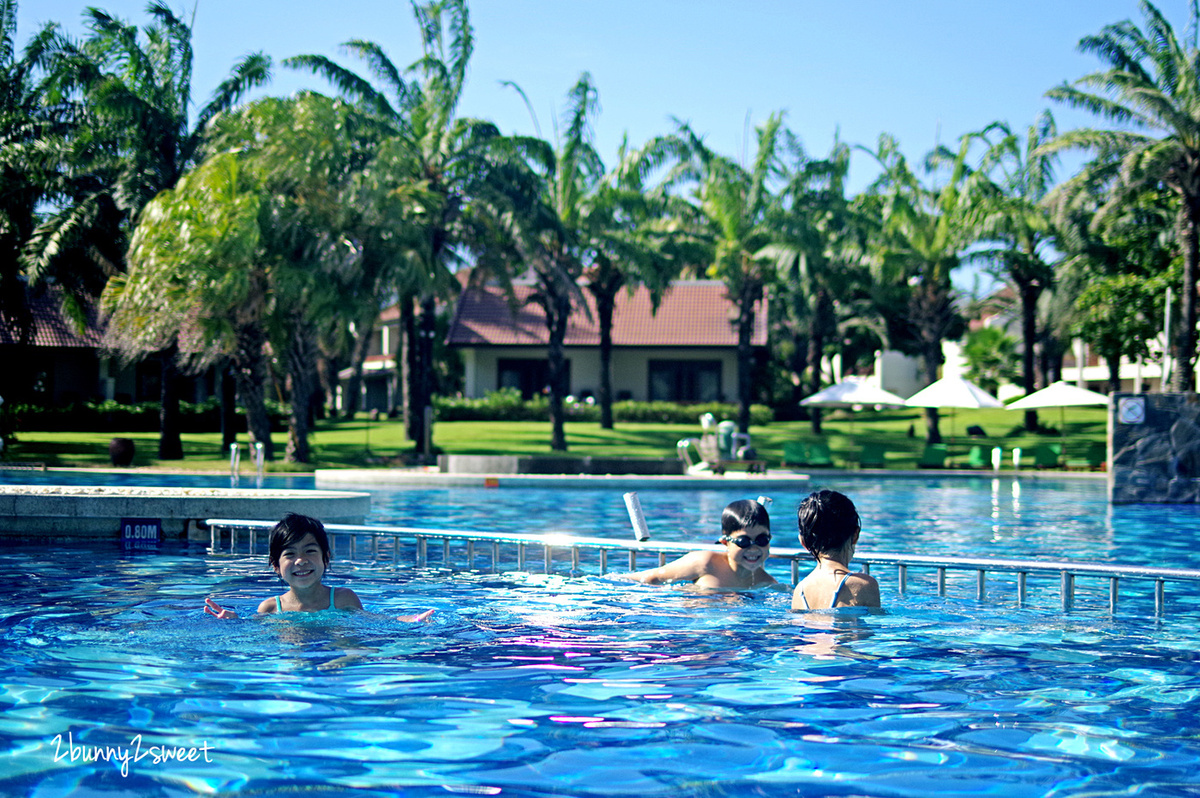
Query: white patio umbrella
(1061, 395)
(852, 392)
(953, 392)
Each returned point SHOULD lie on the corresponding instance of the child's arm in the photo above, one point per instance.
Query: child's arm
(419, 617)
(687, 568)
(346, 599)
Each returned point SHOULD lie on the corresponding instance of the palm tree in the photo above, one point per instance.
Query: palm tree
(1014, 213)
(133, 121)
(449, 161)
(918, 246)
(627, 245)
(27, 179)
(196, 274)
(816, 267)
(1151, 85)
(731, 208)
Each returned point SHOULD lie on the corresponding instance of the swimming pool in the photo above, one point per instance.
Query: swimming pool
(532, 684)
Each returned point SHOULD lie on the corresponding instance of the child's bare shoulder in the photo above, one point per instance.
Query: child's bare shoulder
(863, 590)
(346, 599)
(267, 605)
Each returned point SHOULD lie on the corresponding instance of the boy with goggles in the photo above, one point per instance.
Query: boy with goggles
(746, 533)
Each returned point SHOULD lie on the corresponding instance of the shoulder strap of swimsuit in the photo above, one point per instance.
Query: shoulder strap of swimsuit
(278, 605)
(804, 598)
(331, 592)
(833, 602)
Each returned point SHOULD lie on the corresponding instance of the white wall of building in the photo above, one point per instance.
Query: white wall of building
(630, 367)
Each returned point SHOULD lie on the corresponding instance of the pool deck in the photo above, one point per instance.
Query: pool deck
(772, 478)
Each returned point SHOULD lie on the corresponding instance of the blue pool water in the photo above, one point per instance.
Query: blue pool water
(532, 684)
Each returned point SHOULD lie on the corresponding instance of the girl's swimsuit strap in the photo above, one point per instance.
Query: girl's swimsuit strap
(278, 605)
(330, 608)
(833, 602)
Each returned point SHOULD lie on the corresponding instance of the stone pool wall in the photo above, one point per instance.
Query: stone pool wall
(94, 511)
(1154, 441)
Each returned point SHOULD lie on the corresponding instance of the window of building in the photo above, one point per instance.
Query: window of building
(685, 380)
(530, 376)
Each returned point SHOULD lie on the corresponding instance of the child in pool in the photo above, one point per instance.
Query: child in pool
(300, 553)
(829, 527)
(746, 533)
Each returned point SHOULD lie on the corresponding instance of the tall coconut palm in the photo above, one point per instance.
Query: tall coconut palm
(449, 160)
(816, 266)
(730, 211)
(134, 89)
(1150, 92)
(1016, 216)
(27, 178)
(918, 246)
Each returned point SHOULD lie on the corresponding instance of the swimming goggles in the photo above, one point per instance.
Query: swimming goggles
(745, 541)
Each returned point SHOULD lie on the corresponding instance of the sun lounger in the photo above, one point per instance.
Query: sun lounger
(873, 455)
(934, 456)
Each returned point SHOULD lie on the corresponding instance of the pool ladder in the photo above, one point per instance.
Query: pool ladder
(386, 541)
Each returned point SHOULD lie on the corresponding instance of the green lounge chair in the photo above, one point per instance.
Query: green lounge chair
(978, 457)
(1046, 455)
(794, 453)
(873, 455)
(934, 456)
(1095, 458)
(819, 454)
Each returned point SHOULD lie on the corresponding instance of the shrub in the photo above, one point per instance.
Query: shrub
(507, 405)
(140, 417)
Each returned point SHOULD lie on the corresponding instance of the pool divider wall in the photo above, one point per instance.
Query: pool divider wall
(1154, 448)
(44, 512)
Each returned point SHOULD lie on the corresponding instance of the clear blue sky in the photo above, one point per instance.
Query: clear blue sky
(923, 70)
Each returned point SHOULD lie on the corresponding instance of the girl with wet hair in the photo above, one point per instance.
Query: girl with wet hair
(829, 527)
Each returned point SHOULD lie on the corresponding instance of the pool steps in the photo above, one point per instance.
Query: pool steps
(381, 538)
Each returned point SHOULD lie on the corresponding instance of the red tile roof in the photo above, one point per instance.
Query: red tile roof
(51, 328)
(692, 313)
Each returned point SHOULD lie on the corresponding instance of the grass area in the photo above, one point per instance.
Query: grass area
(361, 443)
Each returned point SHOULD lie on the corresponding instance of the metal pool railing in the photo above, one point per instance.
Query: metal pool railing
(385, 542)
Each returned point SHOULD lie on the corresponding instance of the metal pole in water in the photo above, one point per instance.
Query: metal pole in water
(235, 459)
(258, 461)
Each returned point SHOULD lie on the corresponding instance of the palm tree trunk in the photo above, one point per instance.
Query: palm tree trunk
(228, 408)
(1114, 373)
(606, 302)
(364, 332)
(750, 293)
(408, 363)
(424, 396)
(302, 352)
(1187, 225)
(1029, 292)
(170, 446)
(558, 306)
(821, 318)
(249, 372)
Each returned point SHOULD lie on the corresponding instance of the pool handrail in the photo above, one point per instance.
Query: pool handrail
(1066, 570)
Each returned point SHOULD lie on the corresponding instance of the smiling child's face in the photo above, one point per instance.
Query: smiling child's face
(302, 564)
(753, 556)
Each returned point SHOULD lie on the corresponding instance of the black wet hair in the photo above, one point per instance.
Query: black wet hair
(290, 530)
(743, 514)
(827, 521)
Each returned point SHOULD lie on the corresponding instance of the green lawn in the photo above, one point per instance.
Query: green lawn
(359, 443)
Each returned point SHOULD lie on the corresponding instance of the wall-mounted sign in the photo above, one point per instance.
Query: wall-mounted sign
(141, 531)
(1131, 410)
